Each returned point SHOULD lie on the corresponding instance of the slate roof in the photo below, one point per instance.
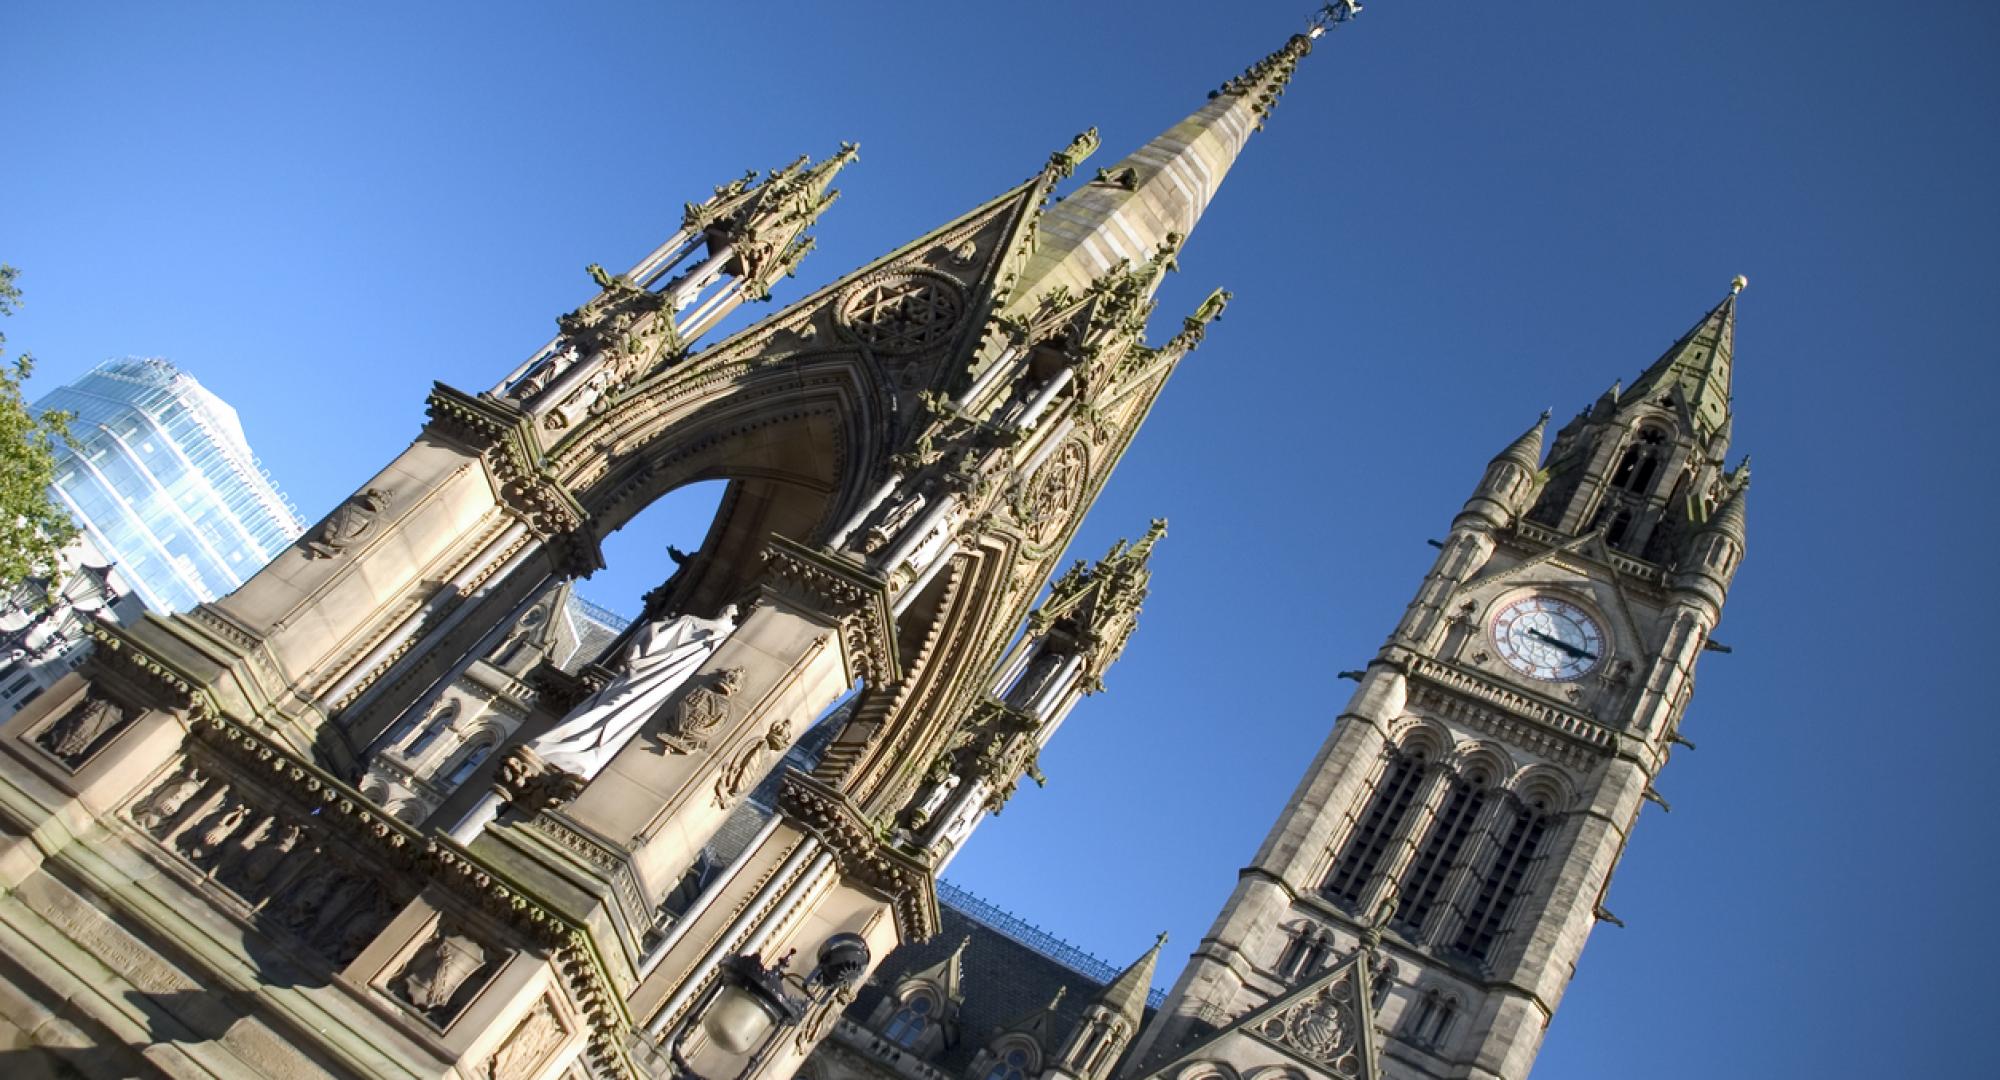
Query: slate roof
(1007, 980)
(592, 630)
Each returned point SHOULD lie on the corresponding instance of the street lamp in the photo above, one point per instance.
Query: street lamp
(750, 1003)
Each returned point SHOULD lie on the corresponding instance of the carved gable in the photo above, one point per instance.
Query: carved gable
(1323, 1028)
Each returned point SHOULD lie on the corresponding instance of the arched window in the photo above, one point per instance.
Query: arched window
(1641, 462)
(1620, 527)
(440, 720)
(1395, 794)
(1520, 835)
(1305, 953)
(464, 770)
(1430, 1023)
(1441, 849)
(910, 1021)
(1012, 1065)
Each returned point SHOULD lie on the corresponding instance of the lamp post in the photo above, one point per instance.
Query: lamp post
(749, 1004)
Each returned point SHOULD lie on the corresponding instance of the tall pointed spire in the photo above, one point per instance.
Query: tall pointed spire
(1126, 996)
(1526, 451)
(1153, 198)
(1699, 364)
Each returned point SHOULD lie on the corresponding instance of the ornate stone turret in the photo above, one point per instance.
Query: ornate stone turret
(1715, 549)
(749, 232)
(1097, 1042)
(1510, 481)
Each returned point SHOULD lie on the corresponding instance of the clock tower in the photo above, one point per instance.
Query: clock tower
(1419, 907)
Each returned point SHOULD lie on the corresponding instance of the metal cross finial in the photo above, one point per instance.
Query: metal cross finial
(1331, 15)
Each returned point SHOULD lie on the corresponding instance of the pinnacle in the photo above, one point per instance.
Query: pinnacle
(1161, 189)
(1126, 995)
(1527, 449)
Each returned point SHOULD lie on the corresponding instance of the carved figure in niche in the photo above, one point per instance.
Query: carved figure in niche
(360, 927)
(157, 814)
(263, 853)
(205, 847)
(662, 656)
(353, 520)
(431, 981)
(306, 900)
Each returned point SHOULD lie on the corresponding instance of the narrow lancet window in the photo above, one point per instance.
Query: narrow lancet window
(1520, 835)
(1395, 794)
(1440, 852)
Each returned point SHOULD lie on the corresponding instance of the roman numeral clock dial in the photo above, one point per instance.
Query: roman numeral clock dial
(1548, 639)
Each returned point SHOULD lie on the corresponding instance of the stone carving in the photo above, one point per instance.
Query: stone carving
(1063, 162)
(897, 314)
(80, 730)
(157, 813)
(345, 526)
(203, 845)
(701, 712)
(1048, 498)
(739, 773)
(529, 1046)
(439, 976)
(1324, 1028)
(661, 658)
(263, 854)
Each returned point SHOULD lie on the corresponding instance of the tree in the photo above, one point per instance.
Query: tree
(33, 527)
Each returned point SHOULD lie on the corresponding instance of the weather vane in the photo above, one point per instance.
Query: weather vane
(1332, 15)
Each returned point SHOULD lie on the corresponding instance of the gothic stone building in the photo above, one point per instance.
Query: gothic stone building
(220, 854)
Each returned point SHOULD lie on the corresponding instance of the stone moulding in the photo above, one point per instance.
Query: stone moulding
(504, 438)
(856, 600)
(1561, 735)
(827, 816)
(439, 861)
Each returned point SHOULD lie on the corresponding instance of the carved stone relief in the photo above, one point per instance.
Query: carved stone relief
(80, 730)
(527, 1050)
(442, 975)
(1324, 1028)
(329, 902)
(701, 712)
(897, 314)
(347, 525)
(1046, 501)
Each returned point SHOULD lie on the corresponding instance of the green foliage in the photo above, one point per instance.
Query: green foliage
(33, 528)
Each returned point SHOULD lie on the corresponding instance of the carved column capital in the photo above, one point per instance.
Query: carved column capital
(862, 855)
(845, 595)
(506, 441)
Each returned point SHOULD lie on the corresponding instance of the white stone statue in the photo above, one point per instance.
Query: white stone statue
(660, 659)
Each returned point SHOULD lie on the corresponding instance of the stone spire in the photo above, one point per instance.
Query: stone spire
(1152, 199)
(1126, 996)
(1699, 365)
(1510, 480)
(763, 224)
(1526, 451)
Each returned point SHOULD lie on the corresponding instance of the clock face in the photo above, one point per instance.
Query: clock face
(1549, 639)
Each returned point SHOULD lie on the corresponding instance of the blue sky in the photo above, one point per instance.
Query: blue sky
(1461, 214)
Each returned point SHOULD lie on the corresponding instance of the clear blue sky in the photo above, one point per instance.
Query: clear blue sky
(1461, 214)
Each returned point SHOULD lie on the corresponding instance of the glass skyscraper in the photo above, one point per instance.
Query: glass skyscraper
(163, 481)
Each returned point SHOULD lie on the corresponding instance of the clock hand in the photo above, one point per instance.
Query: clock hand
(1581, 654)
